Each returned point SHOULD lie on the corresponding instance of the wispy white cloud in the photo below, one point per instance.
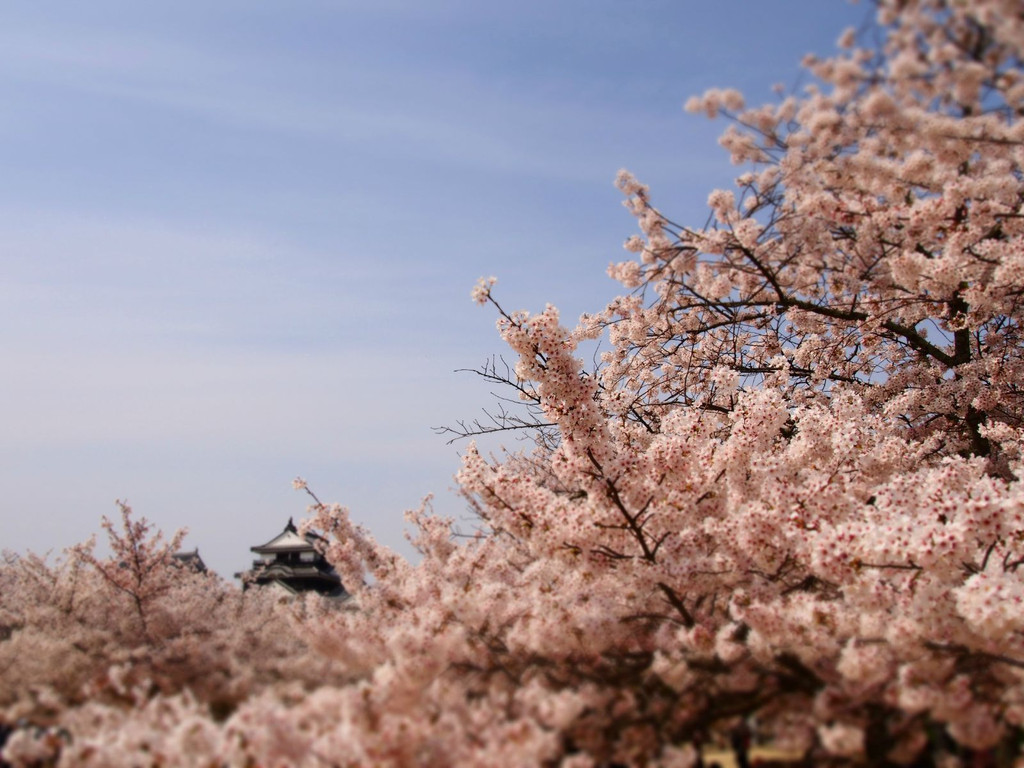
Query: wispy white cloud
(451, 115)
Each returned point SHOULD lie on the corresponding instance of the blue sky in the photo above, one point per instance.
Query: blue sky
(237, 239)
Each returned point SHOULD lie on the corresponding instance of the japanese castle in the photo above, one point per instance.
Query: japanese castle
(291, 562)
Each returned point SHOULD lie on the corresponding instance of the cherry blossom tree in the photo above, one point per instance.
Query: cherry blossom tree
(789, 492)
(140, 564)
(90, 642)
(791, 488)
(802, 448)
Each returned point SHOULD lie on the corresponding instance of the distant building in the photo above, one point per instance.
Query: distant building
(291, 562)
(190, 560)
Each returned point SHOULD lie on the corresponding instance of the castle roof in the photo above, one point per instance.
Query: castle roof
(291, 561)
(190, 560)
(289, 540)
